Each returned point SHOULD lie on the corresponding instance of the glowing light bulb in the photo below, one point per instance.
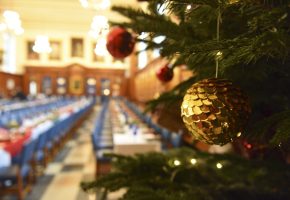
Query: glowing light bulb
(219, 165)
(193, 161)
(219, 53)
(106, 92)
(188, 7)
(176, 162)
(41, 44)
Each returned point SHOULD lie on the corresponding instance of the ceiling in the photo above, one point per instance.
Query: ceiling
(60, 15)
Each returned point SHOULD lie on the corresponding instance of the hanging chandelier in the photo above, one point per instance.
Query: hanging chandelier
(99, 30)
(96, 4)
(99, 27)
(41, 44)
(100, 48)
(11, 22)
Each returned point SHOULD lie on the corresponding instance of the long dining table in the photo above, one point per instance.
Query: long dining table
(12, 142)
(135, 138)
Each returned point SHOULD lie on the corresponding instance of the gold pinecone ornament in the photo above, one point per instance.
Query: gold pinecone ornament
(215, 111)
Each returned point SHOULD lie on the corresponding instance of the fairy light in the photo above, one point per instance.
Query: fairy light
(176, 162)
(239, 134)
(193, 161)
(219, 53)
(219, 165)
(188, 7)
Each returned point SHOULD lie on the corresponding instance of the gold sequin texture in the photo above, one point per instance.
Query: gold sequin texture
(215, 111)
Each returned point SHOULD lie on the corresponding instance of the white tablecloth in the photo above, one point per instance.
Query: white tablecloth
(129, 144)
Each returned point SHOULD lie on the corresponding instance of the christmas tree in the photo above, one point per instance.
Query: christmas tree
(244, 41)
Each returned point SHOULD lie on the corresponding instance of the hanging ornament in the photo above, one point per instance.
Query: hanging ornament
(120, 43)
(215, 111)
(165, 73)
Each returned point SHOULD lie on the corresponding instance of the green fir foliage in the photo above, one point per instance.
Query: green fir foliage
(254, 38)
(255, 45)
(157, 176)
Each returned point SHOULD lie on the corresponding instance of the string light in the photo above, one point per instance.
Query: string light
(239, 134)
(176, 162)
(219, 165)
(219, 53)
(193, 161)
(188, 7)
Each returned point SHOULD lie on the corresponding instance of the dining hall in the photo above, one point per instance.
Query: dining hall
(144, 99)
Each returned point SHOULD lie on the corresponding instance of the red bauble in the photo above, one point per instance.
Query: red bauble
(164, 73)
(120, 43)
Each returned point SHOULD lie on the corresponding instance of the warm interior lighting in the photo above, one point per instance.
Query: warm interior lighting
(106, 92)
(96, 4)
(219, 165)
(99, 26)
(91, 81)
(100, 48)
(41, 44)
(11, 22)
(193, 161)
(99, 31)
(176, 162)
(61, 81)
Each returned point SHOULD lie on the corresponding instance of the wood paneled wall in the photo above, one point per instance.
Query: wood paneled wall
(37, 74)
(147, 86)
(9, 83)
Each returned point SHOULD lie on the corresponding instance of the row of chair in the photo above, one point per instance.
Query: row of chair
(170, 139)
(102, 140)
(17, 117)
(36, 153)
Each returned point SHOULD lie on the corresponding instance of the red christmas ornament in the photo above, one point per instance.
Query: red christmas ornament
(164, 74)
(120, 43)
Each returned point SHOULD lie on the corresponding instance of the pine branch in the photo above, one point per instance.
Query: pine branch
(254, 41)
(282, 133)
(212, 3)
(140, 20)
(266, 127)
(149, 176)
